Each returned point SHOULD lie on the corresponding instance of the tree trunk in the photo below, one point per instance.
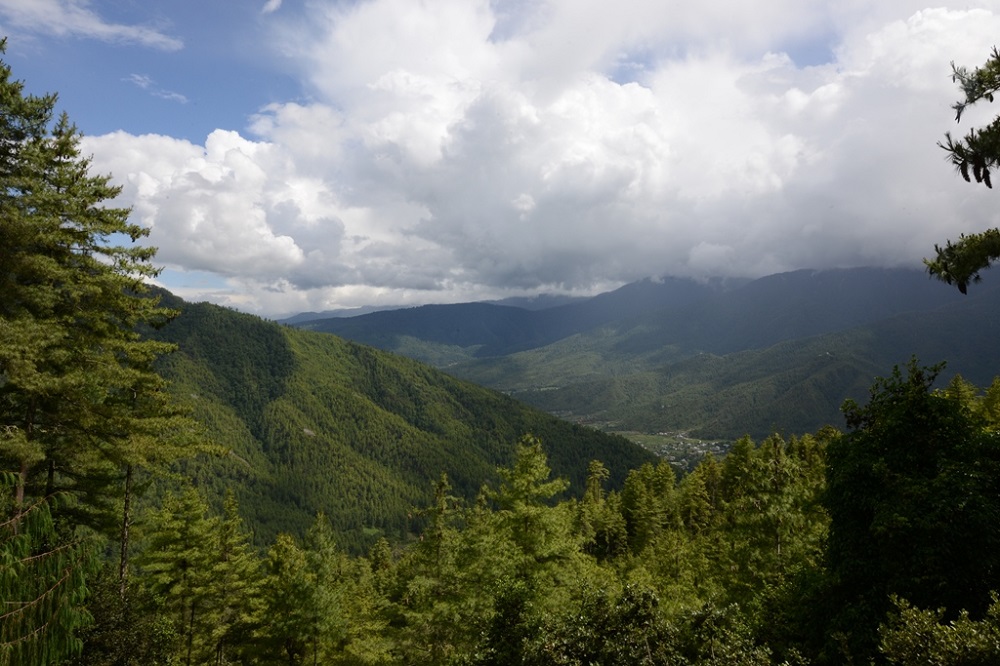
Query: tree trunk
(190, 635)
(22, 480)
(22, 477)
(50, 479)
(124, 536)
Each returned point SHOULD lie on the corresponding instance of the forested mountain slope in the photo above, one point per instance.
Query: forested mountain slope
(796, 385)
(311, 423)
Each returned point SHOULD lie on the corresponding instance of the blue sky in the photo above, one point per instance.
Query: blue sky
(207, 66)
(310, 155)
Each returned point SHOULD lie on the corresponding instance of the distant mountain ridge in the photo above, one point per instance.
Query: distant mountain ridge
(695, 315)
(303, 317)
(778, 353)
(488, 329)
(539, 302)
(789, 306)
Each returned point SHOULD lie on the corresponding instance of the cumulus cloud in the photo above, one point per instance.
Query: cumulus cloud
(75, 18)
(464, 149)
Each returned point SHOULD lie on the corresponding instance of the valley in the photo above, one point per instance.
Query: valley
(716, 360)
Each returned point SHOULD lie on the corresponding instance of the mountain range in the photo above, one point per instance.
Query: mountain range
(712, 359)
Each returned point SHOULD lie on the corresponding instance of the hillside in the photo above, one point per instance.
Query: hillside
(312, 423)
(776, 354)
(793, 386)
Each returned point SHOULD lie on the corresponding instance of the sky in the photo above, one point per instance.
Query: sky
(309, 155)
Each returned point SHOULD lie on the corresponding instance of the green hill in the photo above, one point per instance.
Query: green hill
(312, 423)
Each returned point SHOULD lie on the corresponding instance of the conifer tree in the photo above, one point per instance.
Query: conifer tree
(289, 622)
(975, 156)
(234, 586)
(649, 503)
(525, 489)
(545, 549)
(41, 585)
(343, 603)
(600, 520)
(769, 528)
(433, 590)
(80, 403)
(178, 563)
(79, 390)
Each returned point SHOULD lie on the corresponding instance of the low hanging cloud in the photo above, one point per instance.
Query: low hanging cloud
(471, 149)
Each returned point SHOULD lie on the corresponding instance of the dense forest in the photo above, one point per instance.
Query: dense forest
(879, 543)
(301, 422)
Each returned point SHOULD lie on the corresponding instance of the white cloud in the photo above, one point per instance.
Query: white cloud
(75, 18)
(146, 83)
(271, 6)
(459, 149)
(141, 80)
(223, 208)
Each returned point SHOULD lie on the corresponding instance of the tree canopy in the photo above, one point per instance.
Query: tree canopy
(976, 156)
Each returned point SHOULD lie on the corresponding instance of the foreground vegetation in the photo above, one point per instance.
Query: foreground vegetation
(875, 544)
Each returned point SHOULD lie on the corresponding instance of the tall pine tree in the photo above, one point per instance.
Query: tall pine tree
(80, 404)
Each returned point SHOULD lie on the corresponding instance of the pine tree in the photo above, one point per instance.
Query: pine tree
(433, 595)
(770, 530)
(649, 503)
(178, 563)
(974, 156)
(599, 517)
(234, 587)
(542, 544)
(80, 403)
(288, 620)
(41, 585)
(80, 397)
(343, 603)
(525, 489)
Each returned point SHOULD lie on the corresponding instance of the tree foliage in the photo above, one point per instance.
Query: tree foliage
(918, 468)
(979, 151)
(976, 156)
(732, 563)
(42, 584)
(81, 406)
